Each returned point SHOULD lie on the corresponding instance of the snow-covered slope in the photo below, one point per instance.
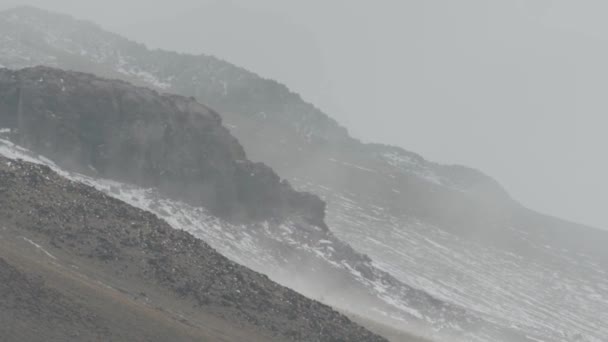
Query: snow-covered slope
(449, 231)
(556, 295)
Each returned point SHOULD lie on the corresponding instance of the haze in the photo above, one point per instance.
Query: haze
(514, 88)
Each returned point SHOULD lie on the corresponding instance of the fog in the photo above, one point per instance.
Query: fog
(514, 88)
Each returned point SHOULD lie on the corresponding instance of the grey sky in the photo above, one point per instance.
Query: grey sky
(518, 88)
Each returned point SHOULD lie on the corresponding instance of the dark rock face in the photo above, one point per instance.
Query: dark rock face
(86, 224)
(114, 130)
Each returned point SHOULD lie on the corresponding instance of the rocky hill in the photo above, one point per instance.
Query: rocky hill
(114, 130)
(81, 234)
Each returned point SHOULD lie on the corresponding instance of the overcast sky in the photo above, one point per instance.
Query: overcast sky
(517, 88)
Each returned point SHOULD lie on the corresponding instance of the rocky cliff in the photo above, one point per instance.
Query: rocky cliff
(114, 130)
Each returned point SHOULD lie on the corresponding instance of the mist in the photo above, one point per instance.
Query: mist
(515, 89)
(409, 238)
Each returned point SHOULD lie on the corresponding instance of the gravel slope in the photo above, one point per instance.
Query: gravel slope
(145, 263)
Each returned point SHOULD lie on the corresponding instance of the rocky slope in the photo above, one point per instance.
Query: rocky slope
(74, 224)
(448, 230)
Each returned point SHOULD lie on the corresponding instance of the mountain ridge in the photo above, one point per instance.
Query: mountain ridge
(283, 91)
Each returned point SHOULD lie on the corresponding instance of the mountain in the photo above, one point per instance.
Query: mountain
(171, 156)
(76, 264)
(254, 108)
(449, 234)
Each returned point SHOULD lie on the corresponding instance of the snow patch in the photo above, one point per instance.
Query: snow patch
(414, 166)
(39, 247)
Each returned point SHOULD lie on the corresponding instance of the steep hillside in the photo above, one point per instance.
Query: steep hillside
(90, 237)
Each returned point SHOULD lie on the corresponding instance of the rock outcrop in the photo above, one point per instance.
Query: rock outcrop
(115, 130)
